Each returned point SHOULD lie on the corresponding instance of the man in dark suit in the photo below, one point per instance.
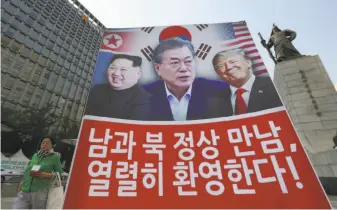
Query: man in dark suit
(179, 95)
(122, 97)
(246, 92)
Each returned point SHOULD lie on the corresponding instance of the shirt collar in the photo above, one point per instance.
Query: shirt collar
(247, 86)
(170, 95)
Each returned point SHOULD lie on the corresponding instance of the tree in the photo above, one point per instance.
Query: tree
(68, 130)
(32, 124)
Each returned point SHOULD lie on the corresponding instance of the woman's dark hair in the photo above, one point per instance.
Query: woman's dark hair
(51, 139)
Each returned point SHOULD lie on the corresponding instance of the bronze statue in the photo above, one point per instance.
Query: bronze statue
(281, 40)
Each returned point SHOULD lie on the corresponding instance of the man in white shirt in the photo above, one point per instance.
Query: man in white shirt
(179, 95)
(246, 92)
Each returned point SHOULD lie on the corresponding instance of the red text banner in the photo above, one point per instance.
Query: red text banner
(252, 161)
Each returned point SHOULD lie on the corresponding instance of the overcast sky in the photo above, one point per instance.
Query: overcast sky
(313, 20)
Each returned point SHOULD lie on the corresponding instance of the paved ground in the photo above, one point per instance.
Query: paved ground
(8, 192)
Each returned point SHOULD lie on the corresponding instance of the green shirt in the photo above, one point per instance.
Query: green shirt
(49, 163)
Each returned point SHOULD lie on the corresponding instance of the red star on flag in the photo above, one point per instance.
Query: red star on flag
(113, 40)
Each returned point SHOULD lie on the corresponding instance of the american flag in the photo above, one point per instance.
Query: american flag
(237, 35)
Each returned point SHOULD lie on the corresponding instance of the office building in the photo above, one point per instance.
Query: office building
(48, 54)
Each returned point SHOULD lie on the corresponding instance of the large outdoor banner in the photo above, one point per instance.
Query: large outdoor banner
(187, 117)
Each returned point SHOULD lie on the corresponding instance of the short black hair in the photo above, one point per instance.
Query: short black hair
(137, 61)
(169, 44)
(53, 142)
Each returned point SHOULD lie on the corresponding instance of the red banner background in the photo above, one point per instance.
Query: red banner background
(305, 192)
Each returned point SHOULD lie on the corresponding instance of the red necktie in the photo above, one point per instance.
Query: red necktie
(240, 105)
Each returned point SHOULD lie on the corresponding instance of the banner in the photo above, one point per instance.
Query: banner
(187, 117)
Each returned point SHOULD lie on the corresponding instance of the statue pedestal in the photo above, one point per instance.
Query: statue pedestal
(311, 101)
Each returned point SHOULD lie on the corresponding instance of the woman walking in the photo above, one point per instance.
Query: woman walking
(38, 176)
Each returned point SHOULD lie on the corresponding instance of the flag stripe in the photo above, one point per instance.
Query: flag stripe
(198, 27)
(209, 48)
(146, 55)
(240, 41)
(150, 49)
(202, 26)
(242, 35)
(259, 72)
(258, 64)
(151, 29)
(240, 29)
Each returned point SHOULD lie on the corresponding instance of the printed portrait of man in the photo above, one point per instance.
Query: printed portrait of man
(246, 92)
(121, 97)
(179, 95)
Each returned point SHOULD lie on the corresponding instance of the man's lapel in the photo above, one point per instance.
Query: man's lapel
(256, 96)
(160, 105)
(197, 104)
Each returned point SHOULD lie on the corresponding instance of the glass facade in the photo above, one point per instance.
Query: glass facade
(48, 54)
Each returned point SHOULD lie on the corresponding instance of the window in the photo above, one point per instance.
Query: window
(6, 17)
(49, 25)
(82, 82)
(5, 41)
(44, 78)
(59, 84)
(60, 60)
(37, 26)
(67, 109)
(53, 56)
(66, 88)
(60, 106)
(34, 56)
(74, 110)
(29, 21)
(84, 96)
(8, 83)
(45, 52)
(56, 49)
(16, 23)
(34, 14)
(64, 72)
(38, 47)
(52, 36)
(42, 60)
(24, 51)
(84, 74)
(52, 81)
(49, 44)
(76, 79)
(10, 8)
(57, 69)
(45, 98)
(28, 94)
(72, 91)
(10, 32)
(24, 29)
(42, 39)
(36, 99)
(66, 64)
(45, 32)
(15, 46)
(33, 35)
(19, 37)
(19, 62)
(17, 91)
(37, 74)
(70, 76)
(80, 113)
(27, 70)
(63, 53)
(59, 41)
(54, 99)
(78, 94)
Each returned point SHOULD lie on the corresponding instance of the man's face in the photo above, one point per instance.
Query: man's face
(177, 68)
(122, 75)
(235, 70)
